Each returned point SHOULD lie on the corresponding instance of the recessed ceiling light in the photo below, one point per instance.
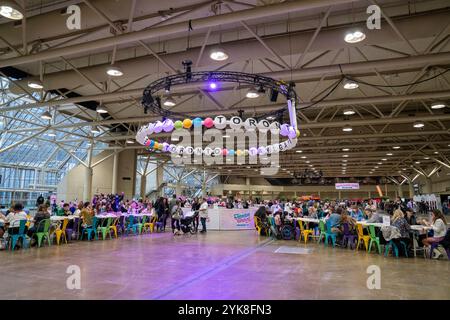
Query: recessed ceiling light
(114, 71)
(10, 10)
(437, 105)
(436, 152)
(350, 84)
(218, 54)
(129, 141)
(346, 149)
(252, 93)
(169, 102)
(354, 36)
(308, 161)
(229, 170)
(417, 162)
(299, 151)
(35, 84)
(51, 134)
(419, 124)
(344, 160)
(384, 159)
(376, 167)
(345, 155)
(389, 154)
(310, 165)
(396, 147)
(349, 112)
(303, 157)
(427, 158)
(379, 162)
(404, 169)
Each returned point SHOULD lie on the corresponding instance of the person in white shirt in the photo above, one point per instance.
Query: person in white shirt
(14, 218)
(275, 208)
(203, 213)
(439, 226)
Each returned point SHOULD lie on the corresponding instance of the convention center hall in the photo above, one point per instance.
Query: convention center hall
(195, 151)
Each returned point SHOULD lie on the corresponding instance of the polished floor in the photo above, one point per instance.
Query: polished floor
(218, 265)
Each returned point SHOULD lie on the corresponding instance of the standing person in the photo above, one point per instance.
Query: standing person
(40, 200)
(203, 214)
(176, 215)
(196, 207)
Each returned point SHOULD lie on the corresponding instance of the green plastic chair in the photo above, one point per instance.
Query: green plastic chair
(322, 230)
(104, 229)
(140, 225)
(44, 225)
(374, 239)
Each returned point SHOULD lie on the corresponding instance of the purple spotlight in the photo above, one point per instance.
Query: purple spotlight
(213, 85)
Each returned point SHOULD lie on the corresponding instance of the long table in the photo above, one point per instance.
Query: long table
(229, 219)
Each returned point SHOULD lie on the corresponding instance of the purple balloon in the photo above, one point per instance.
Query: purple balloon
(253, 151)
(292, 133)
(284, 130)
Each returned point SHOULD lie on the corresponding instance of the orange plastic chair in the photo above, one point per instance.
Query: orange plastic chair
(151, 225)
(257, 224)
(361, 236)
(62, 231)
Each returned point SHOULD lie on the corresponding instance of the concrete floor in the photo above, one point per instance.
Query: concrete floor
(219, 265)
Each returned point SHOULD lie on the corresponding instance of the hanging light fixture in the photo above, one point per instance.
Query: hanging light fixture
(129, 141)
(101, 109)
(349, 112)
(350, 84)
(10, 10)
(169, 102)
(419, 124)
(46, 115)
(35, 84)
(218, 54)
(347, 128)
(354, 36)
(51, 134)
(438, 105)
(114, 71)
(252, 93)
(95, 129)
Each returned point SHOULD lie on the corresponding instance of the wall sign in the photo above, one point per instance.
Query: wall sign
(347, 186)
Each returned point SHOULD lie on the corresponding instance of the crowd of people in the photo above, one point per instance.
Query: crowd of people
(339, 213)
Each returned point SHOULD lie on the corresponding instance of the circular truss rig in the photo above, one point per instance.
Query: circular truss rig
(151, 101)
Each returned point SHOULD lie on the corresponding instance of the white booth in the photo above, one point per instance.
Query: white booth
(229, 219)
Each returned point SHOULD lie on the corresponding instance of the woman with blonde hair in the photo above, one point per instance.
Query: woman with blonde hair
(398, 220)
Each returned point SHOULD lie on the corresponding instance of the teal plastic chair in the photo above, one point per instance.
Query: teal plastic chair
(329, 234)
(44, 225)
(131, 225)
(272, 227)
(391, 244)
(322, 231)
(91, 230)
(374, 239)
(140, 224)
(105, 229)
(14, 238)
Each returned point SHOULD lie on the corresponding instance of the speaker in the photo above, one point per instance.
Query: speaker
(273, 95)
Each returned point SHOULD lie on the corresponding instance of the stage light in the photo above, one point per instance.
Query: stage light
(213, 85)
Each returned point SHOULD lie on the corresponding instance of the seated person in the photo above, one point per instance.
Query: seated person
(334, 220)
(86, 216)
(14, 217)
(402, 225)
(345, 218)
(439, 227)
(410, 217)
(41, 214)
(2, 224)
(373, 216)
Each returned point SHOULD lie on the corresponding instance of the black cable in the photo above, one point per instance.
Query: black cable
(325, 96)
(399, 85)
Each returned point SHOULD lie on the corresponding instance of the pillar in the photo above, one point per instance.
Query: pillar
(411, 189)
(143, 188)
(428, 186)
(400, 190)
(178, 189)
(370, 194)
(115, 173)
(203, 189)
(247, 181)
(87, 187)
(160, 178)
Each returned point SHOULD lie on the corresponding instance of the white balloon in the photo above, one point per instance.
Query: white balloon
(173, 148)
(269, 149)
(198, 151)
(235, 122)
(207, 151)
(262, 150)
(217, 151)
(253, 151)
(276, 148)
(189, 150)
(250, 124)
(149, 129)
(264, 125)
(220, 122)
(275, 127)
(180, 149)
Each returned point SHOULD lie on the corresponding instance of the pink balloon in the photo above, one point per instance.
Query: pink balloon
(224, 152)
(208, 122)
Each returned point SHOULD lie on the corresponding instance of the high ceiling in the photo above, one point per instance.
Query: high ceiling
(300, 41)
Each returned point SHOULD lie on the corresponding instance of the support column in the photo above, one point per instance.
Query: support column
(115, 173)
(87, 190)
(203, 189)
(411, 189)
(178, 189)
(160, 178)
(143, 188)
(428, 186)
(400, 190)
